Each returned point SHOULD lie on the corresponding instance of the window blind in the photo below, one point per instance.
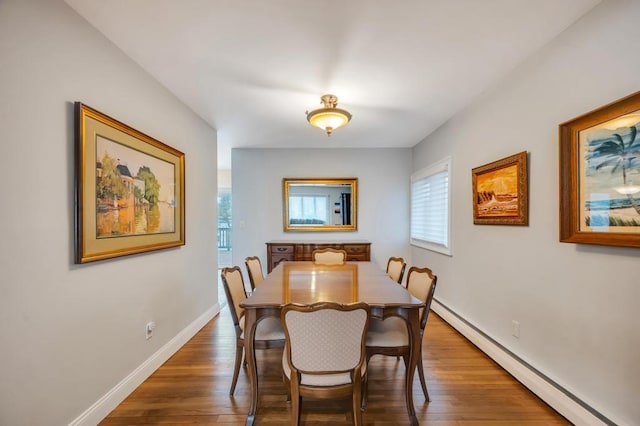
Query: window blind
(430, 207)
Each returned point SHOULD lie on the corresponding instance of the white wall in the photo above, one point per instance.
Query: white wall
(383, 197)
(69, 333)
(577, 304)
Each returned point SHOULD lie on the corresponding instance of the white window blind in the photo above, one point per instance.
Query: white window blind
(309, 209)
(430, 207)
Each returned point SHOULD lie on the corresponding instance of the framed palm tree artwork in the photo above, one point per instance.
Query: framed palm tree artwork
(600, 175)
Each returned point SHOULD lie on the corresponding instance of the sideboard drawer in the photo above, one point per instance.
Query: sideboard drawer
(279, 252)
(277, 258)
(356, 249)
(358, 257)
(281, 249)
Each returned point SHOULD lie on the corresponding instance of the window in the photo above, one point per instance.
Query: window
(430, 207)
(308, 209)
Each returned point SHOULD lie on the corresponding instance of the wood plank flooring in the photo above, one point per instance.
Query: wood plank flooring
(466, 388)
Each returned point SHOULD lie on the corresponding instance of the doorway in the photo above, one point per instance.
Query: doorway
(224, 232)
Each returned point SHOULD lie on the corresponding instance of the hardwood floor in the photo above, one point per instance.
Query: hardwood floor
(466, 388)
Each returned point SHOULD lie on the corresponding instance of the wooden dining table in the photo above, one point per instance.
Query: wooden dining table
(307, 282)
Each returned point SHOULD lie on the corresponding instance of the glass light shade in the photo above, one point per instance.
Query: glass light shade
(328, 119)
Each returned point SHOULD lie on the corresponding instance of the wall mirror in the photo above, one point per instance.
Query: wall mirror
(320, 205)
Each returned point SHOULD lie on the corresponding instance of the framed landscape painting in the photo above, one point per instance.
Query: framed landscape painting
(600, 175)
(500, 192)
(129, 190)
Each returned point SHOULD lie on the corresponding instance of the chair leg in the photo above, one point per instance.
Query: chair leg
(363, 392)
(405, 358)
(365, 384)
(356, 404)
(422, 380)
(295, 404)
(236, 367)
(287, 385)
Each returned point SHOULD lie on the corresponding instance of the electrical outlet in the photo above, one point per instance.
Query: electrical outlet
(149, 329)
(515, 329)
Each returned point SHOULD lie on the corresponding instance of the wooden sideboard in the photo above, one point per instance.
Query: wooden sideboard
(278, 251)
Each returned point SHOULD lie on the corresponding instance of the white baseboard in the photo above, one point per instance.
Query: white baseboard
(102, 407)
(567, 406)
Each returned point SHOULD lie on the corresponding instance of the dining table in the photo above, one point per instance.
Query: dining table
(349, 282)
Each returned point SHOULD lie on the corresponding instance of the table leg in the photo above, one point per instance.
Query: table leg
(415, 341)
(250, 355)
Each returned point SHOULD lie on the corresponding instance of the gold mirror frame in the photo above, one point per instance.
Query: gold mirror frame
(335, 207)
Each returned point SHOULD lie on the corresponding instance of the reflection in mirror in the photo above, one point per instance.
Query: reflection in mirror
(326, 204)
(341, 285)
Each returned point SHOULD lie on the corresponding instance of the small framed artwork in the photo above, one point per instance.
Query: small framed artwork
(600, 175)
(129, 190)
(500, 194)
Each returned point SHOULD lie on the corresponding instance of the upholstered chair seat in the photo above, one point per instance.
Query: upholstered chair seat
(391, 332)
(269, 328)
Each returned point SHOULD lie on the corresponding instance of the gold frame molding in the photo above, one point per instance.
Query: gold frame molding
(288, 227)
(92, 242)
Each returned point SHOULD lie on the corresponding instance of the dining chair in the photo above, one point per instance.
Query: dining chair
(269, 332)
(329, 256)
(254, 270)
(395, 268)
(325, 354)
(390, 336)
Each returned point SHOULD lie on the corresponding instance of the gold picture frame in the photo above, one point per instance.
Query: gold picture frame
(600, 175)
(500, 192)
(129, 190)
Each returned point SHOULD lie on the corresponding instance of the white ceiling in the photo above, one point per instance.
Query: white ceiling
(251, 68)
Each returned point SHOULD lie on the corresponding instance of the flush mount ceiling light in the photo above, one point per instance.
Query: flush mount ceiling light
(328, 118)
